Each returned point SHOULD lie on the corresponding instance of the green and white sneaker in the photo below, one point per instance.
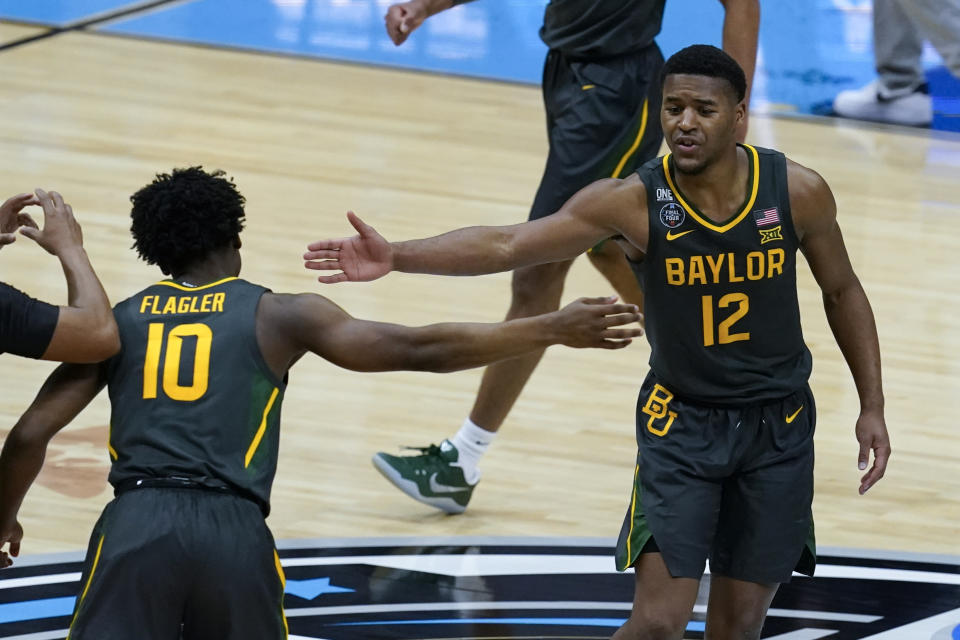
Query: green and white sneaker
(433, 477)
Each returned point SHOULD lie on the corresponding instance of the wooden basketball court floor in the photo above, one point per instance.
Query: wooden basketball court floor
(95, 117)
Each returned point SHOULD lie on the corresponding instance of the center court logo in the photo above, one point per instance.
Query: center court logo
(672, 215)
(471, 588)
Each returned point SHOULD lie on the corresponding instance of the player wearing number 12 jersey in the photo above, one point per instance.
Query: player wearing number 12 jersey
(184, 551)
(725, 418)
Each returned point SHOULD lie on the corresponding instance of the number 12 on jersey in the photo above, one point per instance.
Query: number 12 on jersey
(171, 363)
(723, 335)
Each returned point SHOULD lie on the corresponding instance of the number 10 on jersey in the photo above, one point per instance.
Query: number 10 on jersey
(171, 363)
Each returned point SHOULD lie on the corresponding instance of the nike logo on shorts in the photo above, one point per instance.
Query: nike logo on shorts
(792, 416)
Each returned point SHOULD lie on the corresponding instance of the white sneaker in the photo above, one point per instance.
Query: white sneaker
(914, 109)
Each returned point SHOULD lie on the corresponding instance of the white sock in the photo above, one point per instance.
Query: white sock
(472, 442)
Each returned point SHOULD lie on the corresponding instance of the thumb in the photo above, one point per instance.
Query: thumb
(15, 548)
(362, 227)
(864, 455)
(31, 232)
(7, 238)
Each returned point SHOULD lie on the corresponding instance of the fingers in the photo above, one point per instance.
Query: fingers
(325, 245)
(31, 232)
(614, 320)
(7, 238)
(321, 254)
(603, 300)
(881, 454)
(621, 334)
(394, 21)
(26, 220)
(15, 548)
(323, 265)
(614, 344)
(335, 278)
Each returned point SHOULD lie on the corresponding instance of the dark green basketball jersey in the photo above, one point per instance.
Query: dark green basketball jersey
(601, 28)
(191, 394)
(721, 305)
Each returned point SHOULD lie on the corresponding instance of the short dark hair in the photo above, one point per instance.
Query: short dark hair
(706, 60)
(183, 216)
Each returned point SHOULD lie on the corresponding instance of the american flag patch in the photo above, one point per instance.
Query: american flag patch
(767, 216)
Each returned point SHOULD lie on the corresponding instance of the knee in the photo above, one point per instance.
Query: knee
(655, 624)
(538, 288)
(735, 625)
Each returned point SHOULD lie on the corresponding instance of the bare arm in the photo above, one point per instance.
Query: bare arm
(404, 17)
(289, 325)
(603, 209)
(66, 392)
(741, 24)
(85, 330)
(847, 308)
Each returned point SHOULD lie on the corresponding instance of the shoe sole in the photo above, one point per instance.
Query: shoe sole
(409, 487)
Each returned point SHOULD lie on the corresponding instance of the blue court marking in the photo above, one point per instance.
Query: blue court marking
(36, 609)
(493, 40)
(956, 633)
(561, 622)
(58, 13)
(809, 51)
(310, 589)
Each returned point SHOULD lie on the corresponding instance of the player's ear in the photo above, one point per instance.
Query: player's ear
(237, 243)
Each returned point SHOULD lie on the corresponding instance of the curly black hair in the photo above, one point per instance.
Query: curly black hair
(183, 216)
(705, 60)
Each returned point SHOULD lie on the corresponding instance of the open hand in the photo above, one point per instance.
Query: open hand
(589, 322)
(61, 231)
(364, 257)
(12, 534)
(11, 218)
(872, 435)
(403, 18)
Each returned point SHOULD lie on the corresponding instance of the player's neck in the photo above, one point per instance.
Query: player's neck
(214, 267)
(720, 188)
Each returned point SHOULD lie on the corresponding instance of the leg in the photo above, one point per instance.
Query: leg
(661, 603)
(897, 47)
(609, 260)
(536, 290)
(737, 608)
(939, 22)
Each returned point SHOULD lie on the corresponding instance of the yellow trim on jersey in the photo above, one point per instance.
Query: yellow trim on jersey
(633, 511)
(113, 452)
(263, 427)
(636, 143)
(704, 221)
(283, 583)
(93, 569)
(177, 285)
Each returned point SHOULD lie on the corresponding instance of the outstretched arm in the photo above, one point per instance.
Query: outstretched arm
(741, 24)
(591, 215)
(402, 18)
(289, 325)
(66, 392)
(848, 310)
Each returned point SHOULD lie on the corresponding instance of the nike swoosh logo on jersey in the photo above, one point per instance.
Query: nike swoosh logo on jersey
(791, 417)
(436, 487)
(673, 236)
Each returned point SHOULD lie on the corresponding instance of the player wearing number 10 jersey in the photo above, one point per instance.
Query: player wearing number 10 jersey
(724, 419)
(183, 551)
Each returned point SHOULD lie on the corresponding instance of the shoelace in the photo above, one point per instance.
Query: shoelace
(431, 450)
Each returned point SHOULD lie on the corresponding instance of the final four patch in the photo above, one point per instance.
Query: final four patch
(672, 215)
(769, 235)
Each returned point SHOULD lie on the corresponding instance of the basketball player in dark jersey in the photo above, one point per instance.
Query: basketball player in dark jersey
(195, 396)
(725, 418)
(601, 95)
(83, 330)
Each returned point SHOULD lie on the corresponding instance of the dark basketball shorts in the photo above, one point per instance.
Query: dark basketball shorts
(603, 121)
(732, 484)
(160, 558)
